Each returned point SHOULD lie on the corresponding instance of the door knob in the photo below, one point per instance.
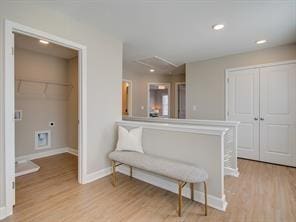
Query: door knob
(256, 118)
(262, 118)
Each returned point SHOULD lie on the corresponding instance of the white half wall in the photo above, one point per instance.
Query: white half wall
(201, 146)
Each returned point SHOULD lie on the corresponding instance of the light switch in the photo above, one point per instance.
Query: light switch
(142, 107)
(194, 107)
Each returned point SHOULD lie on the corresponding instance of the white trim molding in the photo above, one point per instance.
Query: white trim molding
(184, 121)
(219, 131)
(231, 172)
(5, 212)
(215, 202)
(98, 175)
(47, 153)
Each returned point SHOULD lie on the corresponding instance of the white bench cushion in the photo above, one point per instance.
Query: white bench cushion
(165, 167)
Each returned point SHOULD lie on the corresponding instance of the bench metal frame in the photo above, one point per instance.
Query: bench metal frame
(181, 184)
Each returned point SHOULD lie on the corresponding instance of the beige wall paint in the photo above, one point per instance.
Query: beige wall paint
(39, 110)
(104, 75)
(140, 89)
(205, 79)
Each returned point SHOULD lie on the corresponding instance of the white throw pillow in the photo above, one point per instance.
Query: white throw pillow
(130, 140)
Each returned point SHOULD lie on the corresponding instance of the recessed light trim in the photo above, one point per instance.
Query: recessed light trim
(262, 41)
(218, 27)
(152, 70)
(43, 42)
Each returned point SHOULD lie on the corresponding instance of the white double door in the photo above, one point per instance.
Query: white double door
(264, 101)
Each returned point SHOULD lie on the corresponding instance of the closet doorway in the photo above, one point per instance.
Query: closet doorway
(45, 94)
(263, 99)
(46, 101)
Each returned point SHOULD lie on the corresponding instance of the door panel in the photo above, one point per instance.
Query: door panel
(278, 112)
(243, 106)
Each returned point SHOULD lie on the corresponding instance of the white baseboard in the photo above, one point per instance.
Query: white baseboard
(231, 172)
(72, 151)
(97, 175)
(215, 202)
(5, 212)
(47, 153)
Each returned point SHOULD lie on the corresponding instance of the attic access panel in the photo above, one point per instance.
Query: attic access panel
(158, 64)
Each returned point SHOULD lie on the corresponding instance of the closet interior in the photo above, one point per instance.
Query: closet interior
(46, 101)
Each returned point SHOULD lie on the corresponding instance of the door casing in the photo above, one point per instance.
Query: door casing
(9, 78)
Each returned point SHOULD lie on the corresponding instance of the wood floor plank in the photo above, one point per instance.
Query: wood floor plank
(262, 193)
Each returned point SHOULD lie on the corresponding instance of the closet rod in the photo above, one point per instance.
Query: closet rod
(44, 82)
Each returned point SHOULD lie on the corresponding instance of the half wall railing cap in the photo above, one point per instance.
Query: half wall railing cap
(176, 127)
(222, 123)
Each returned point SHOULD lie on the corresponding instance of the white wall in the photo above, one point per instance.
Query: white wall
(205, 79)
(104, 74)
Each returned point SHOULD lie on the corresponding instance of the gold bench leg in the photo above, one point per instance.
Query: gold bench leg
(192, 191)
(131, 171)
(180, 200)
(113, 173)
(181, 185)
(206, 198)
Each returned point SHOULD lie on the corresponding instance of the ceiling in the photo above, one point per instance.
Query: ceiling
(33, 44)
(180, 31)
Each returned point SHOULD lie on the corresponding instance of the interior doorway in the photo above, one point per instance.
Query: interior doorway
(159, 100)
(14, 87)
(180, 100)
(46, 101)
(127, 96)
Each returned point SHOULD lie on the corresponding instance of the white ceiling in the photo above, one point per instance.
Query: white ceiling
(180, 31)
(33, 44)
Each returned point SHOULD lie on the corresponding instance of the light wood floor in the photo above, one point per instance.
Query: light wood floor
(263, 192)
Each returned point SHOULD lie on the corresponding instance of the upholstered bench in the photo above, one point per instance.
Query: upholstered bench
(183, 173)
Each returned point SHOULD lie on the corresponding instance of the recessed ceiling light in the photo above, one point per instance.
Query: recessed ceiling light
(261, 41)
(218, 26)
(43, 42)
(152, 70)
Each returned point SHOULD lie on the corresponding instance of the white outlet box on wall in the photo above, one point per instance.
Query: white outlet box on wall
(42, 139)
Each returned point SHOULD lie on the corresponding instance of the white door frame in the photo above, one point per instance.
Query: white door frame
(148, 96)
(177, 98)
(130, 99)
(9, 81)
